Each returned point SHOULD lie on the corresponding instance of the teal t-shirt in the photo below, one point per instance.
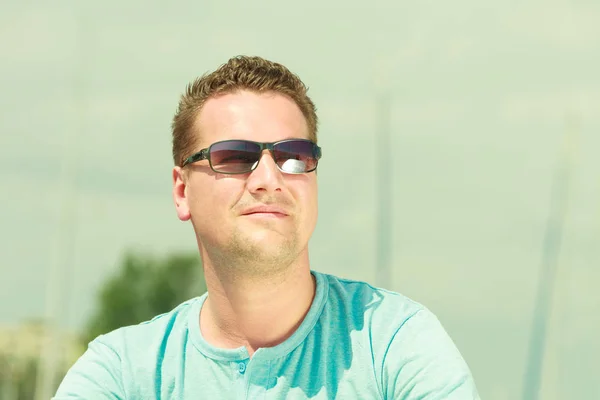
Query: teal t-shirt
(356, 342)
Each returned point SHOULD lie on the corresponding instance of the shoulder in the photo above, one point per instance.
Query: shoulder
(372, 316)
(378, 306)
(112, 360)
(412, 354)
(422, 360)
(148, 334)
(167, 324)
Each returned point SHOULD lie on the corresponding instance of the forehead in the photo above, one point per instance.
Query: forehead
(262, 117)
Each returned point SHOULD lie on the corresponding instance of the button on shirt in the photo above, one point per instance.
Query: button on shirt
(241, 368)
(356, 342)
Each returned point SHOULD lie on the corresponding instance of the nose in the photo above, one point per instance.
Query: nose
(266, 177)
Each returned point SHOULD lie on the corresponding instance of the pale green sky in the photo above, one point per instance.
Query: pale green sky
(480, 95)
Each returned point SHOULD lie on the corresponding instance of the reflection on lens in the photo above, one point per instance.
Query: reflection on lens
(294, 166)
(295, 156)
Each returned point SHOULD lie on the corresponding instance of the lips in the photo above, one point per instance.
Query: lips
(266, 210)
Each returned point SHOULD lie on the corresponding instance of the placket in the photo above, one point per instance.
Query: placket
(256, 378)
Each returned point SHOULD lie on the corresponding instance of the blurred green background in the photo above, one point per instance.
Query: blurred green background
(482, 99)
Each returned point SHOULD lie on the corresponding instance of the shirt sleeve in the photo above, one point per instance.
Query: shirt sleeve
(95, 375)
(422, 362)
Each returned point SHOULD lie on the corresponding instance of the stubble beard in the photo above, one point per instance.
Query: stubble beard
(246, 257)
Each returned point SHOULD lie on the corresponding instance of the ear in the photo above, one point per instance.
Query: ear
(179, 194)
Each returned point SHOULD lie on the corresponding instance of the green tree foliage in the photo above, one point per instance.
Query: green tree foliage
(144, 287)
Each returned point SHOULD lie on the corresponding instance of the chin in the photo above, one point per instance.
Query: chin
(267, 247)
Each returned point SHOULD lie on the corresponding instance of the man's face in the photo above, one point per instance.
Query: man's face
(219, 205)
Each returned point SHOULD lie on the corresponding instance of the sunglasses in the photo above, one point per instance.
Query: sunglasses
(292, 156)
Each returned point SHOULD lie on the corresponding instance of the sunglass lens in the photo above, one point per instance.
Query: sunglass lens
(296, 156)
(234, 156)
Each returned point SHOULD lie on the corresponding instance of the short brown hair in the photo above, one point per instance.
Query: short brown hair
(239, 73)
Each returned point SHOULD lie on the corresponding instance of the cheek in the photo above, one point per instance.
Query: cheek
(209, 203)
(216, 199)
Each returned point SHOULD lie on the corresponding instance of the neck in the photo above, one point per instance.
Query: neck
(255, 311)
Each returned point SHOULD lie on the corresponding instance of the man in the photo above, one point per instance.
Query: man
(245, 151)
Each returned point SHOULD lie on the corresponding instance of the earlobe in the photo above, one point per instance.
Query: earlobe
(180, 195)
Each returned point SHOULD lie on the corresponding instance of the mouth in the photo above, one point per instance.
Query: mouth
(265, 215)
(265, 212)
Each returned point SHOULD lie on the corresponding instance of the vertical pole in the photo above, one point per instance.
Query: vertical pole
(549, 265)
